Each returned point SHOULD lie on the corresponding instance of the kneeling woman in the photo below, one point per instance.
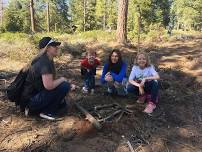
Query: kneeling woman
(114, 72)
(43, 93)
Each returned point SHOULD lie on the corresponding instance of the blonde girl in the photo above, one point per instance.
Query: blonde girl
(143, 82)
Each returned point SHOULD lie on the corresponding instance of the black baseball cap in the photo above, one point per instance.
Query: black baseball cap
(48, 41)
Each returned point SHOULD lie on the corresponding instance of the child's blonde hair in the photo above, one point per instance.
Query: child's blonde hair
(90, 51)
(148, 63)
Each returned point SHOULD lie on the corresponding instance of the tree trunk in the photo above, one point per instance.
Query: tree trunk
(56, 27)
(84, 15)
(104, 22)
(122, 21)
(139, 23)
(1, 3)
(104, 17)
(48, 17)
(32, 15)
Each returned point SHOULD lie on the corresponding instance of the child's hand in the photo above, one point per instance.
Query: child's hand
(141, 90)
(142, 82)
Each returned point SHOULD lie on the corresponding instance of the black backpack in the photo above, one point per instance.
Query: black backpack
(14, 90)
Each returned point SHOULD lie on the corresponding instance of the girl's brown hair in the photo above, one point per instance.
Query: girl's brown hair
(117, 51)
(116, 67)
(148, 63)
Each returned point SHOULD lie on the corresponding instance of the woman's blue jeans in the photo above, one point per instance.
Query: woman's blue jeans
(49, 101)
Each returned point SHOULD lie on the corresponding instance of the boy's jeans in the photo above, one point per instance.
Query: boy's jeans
(89, 80)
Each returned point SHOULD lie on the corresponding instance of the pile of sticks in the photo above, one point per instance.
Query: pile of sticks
(100, 114)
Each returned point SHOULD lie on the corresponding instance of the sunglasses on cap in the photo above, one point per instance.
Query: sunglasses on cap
(52, 42)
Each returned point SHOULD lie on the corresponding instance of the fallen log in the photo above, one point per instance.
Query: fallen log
(89, 117)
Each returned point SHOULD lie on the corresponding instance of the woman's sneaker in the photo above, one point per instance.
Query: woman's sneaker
(141, 99)
(26, 112)
(47, 116)
(92, 91)
(85, 90)
(149, 108)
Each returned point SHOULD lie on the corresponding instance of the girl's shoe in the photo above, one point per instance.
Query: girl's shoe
(149, 108)
(148, 98)
(85, 90)
(141, 99)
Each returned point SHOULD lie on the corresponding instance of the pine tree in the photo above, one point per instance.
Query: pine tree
(188, 14)
(32, 15)
(76, 11)
(122, 21)
(48, 16)
(59, 14)
(90, 15)
(16, 16)
(101, 13)
(77, 14)
(112, 14)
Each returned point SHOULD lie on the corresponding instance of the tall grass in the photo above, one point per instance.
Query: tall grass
(17, 46)
(21, 46)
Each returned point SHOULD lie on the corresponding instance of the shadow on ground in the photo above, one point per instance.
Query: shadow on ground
(174, 126)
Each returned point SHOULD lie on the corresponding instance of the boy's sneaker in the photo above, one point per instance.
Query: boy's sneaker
(47, 116)
(85, 90)
(92, 91)
(141, 99)
(149, 108)
(109, 90)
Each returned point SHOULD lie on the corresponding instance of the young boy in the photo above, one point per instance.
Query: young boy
(88, 70)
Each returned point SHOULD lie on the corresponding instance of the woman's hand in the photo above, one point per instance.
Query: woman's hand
(63, 79)
(73, 87)
(108, 77)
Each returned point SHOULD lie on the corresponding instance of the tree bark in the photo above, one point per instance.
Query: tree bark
(48, 17)
(122, 21)
(32, 15)
(139, 23)
(1, 3)
(84, 15)
(56, 27)
(104, 17)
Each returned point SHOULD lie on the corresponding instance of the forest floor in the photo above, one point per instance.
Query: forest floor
(175, 126)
